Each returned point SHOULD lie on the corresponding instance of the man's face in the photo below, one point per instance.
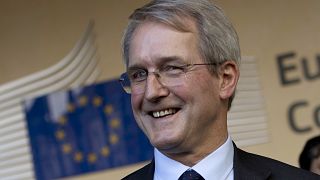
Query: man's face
(188, 112)
(315, 165)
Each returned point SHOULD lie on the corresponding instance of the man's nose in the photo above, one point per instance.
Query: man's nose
(155, 89)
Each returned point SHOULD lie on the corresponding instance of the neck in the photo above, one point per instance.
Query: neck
(195, 155)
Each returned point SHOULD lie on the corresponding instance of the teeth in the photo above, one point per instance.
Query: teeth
(163, 113)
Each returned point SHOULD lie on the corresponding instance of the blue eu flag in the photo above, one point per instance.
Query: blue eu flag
(84, 130)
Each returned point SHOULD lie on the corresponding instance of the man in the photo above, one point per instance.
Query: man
(309, 158)
(182, 59)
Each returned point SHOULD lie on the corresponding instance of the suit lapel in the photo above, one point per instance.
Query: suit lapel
(145, 173)
(246, 166)
(150, 170)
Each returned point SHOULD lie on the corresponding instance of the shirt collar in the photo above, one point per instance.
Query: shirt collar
(166, 168)
(218, 164)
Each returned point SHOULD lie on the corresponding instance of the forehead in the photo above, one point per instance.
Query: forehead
(154, 42)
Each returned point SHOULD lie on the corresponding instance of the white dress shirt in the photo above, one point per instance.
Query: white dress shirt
(216, 166)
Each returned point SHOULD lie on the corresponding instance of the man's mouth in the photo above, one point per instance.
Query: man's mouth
(163, 113)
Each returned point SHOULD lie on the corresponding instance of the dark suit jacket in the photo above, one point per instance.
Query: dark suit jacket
(246, 166)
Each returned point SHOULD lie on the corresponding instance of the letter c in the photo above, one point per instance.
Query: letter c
(292, 120)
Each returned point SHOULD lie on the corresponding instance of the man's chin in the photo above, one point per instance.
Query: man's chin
(167, 145)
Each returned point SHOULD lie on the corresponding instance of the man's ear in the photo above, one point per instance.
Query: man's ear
(228, 75)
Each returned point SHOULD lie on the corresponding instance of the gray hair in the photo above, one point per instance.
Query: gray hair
(218, 40)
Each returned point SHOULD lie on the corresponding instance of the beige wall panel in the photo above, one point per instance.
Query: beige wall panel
(267, 29)
(36, 34)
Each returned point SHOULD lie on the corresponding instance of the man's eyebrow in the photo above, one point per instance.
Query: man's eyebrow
(167, 59)
(159, 62)
(134, 67)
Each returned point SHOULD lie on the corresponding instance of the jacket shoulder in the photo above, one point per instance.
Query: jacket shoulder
(145, 173)
(248, 164)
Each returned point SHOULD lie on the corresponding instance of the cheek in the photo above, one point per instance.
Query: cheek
(136, 103)
(204, 85)
(205, 96)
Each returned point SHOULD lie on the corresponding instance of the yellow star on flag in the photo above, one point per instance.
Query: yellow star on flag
(97, 101)
(78, 157)
(60, 135)
(62, 120)
(70, 108)
(92, 158)
(114, 138)
(83, 100)
(115, 123)
(105, 151)
(66, 148)
(108, 109)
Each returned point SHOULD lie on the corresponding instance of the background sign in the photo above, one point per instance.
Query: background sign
(83, 130)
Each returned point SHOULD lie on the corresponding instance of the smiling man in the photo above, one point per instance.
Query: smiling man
(182, 59)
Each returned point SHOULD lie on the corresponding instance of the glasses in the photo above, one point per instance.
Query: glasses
(134, 81)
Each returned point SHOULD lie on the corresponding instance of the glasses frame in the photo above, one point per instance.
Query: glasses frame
(186, 68)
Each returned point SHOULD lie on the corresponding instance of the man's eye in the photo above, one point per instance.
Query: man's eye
(173, 69)
(139, 75)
